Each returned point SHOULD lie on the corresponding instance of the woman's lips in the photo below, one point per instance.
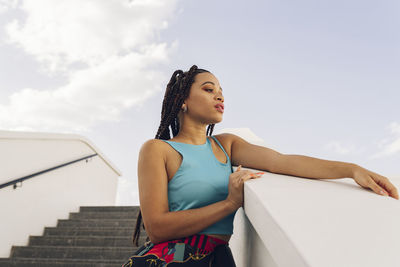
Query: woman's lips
(220, 109)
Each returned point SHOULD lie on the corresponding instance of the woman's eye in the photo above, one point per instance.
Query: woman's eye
(208, 89)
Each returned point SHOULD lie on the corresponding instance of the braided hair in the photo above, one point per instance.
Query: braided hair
(177, 91)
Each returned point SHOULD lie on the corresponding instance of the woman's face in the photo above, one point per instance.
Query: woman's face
(205, 93)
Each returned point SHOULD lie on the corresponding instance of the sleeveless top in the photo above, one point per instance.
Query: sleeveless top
(201, 180)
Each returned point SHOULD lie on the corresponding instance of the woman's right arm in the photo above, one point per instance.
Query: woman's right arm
(160, 223)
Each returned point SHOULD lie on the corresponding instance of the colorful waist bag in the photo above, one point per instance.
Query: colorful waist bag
(196, 250)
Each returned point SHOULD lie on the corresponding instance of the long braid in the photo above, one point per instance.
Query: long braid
(178, 89)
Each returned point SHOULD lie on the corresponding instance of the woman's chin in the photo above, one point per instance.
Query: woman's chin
(213, 120)
(217, 121)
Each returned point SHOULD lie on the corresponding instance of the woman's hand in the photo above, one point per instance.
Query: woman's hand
(236, 181)
(378, 183)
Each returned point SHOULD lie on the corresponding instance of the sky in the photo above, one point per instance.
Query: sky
(315, 78)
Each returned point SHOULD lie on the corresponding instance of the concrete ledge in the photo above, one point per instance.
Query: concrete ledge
(316, 222)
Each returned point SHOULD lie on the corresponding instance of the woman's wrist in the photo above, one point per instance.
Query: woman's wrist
(353, 169)
(231, 206)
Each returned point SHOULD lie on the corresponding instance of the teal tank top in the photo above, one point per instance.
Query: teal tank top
(201, 180)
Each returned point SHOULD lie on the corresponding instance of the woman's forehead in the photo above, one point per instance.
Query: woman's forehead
(204, 77)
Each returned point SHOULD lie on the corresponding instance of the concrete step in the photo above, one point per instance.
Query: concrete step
(35, 262)
(96, 236)
(97, 223)
(94, 241)
(103, 215)
(90, 231)
(109, 208)
(68, 252)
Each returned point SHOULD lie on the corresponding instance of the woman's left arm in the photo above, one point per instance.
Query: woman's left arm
(263, 158)
(309, 167)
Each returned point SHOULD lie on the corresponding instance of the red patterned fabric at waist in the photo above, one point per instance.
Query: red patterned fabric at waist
(185, 252)
(203, 244)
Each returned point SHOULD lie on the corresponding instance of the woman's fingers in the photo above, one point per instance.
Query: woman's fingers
(377, 189)
(387, 186)
(252, 176)
(382, 185)
(378, 183)
(384, 188)
(247, 174)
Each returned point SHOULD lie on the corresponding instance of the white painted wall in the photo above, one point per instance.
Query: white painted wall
(44, 199)
(292, 221)
(247, 247)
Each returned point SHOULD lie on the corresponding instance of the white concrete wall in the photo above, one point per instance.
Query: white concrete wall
(247, 247)
(41, 200)
(292, 221)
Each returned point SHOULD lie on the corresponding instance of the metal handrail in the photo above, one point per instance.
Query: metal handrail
(15, 181)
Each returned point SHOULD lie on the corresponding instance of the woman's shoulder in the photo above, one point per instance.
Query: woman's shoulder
(153, 142)
(226, 139)
(154, 146)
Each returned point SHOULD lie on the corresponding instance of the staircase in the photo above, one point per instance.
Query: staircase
(94, 236)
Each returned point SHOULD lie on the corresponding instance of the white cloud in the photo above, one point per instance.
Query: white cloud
(114, 40)
(5, 5)
(394, 128)
(59, 33)
(389, 146)
(340, 148)
(95, 94)
(246, 134)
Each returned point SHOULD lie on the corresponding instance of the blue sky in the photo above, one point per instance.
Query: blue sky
(315, 78)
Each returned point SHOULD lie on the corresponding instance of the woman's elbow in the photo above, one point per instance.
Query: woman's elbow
(156, 231)
(155, 239)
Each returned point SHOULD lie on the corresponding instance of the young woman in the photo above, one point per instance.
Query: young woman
(188, 190)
